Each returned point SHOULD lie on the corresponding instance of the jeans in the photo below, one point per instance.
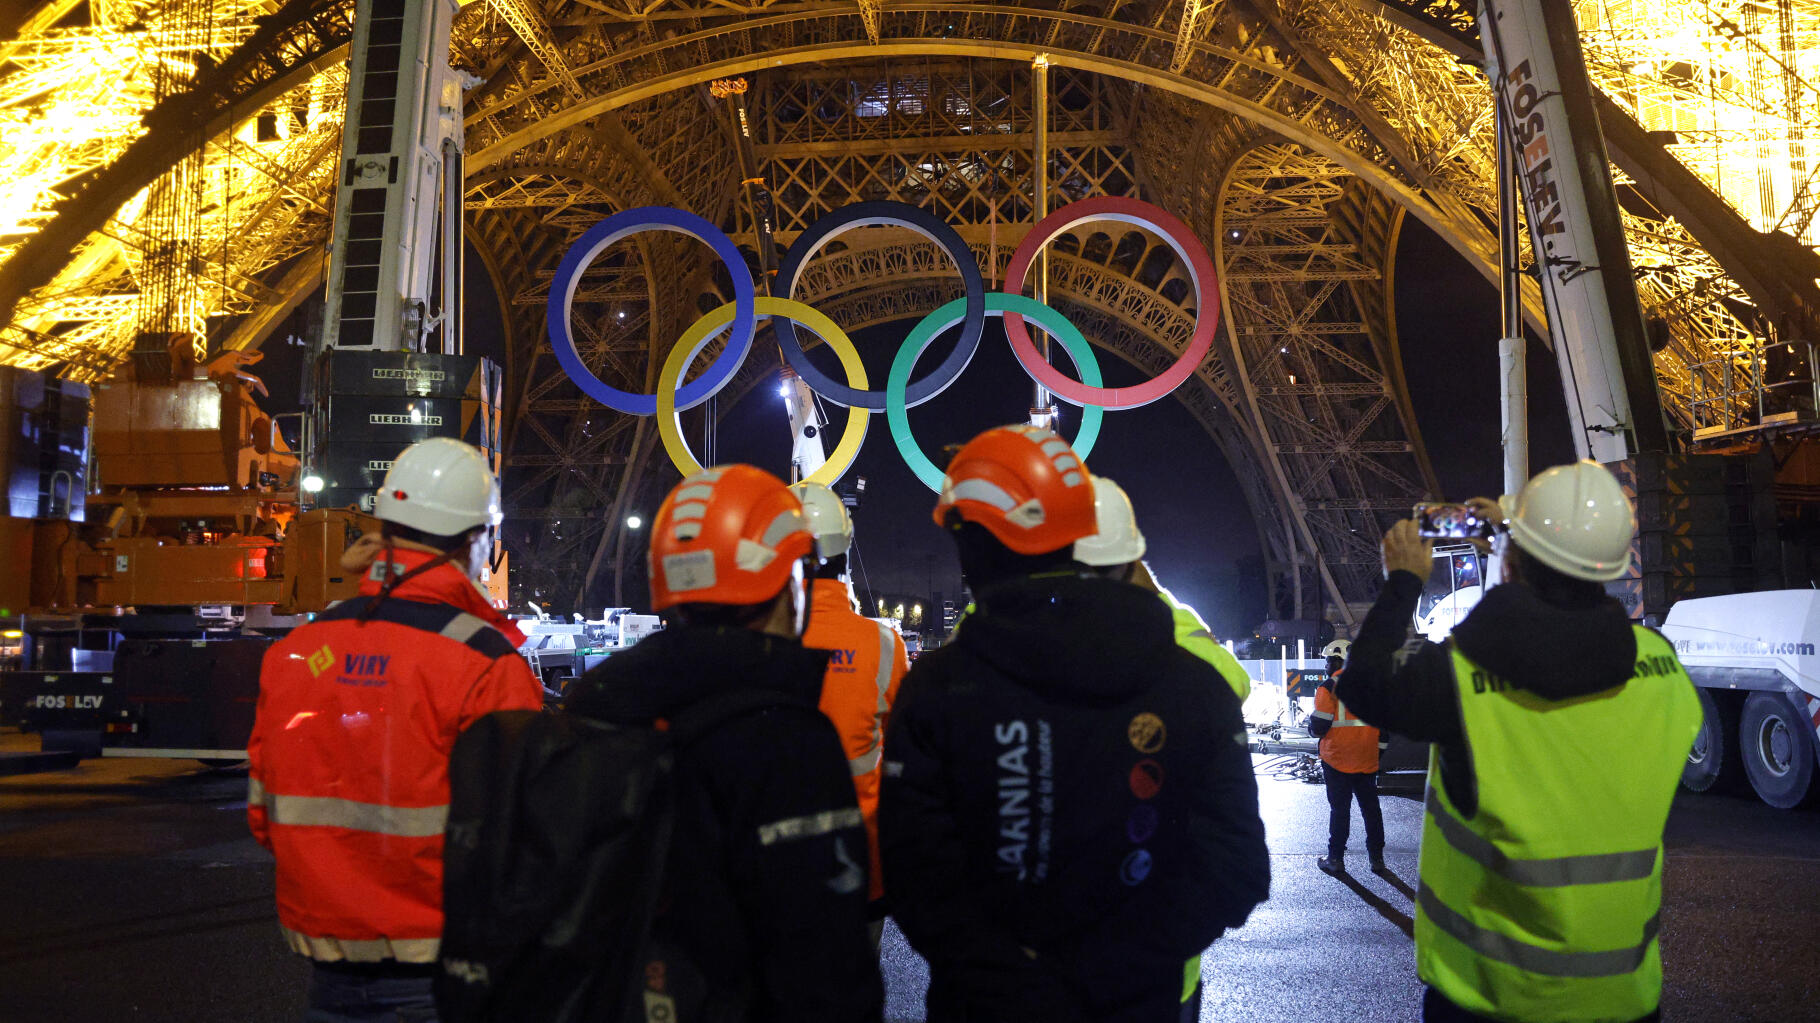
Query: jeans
(370, 993)
(1341, 788)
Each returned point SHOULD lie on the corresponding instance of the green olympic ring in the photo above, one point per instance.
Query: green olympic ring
(929, 327)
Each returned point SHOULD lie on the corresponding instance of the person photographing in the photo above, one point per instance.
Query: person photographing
(1559, 730)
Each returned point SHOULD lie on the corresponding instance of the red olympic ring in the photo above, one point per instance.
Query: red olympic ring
(1200, 273)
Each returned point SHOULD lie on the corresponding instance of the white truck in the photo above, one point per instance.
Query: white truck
(1752, 657)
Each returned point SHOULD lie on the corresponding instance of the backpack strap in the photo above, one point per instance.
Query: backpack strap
(699, 719)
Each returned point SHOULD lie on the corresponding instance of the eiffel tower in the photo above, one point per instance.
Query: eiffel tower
(1294, 136)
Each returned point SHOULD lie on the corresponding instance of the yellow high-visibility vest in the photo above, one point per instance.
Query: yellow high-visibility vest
(1193, 635)
(1542, 905)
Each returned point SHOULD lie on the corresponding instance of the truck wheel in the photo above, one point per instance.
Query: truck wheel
(1713, 761)
(1778, 749)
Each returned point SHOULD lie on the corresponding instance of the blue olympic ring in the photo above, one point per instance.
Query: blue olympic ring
(897, 214)
(591, 244)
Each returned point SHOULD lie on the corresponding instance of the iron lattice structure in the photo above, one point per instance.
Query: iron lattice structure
(1294, 136)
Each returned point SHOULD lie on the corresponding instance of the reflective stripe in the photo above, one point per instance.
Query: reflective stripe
(372, 950)
(327, 812)
(1554, 872)
(1524, 956)
(983, 491)
(1350, 723)
(1323, 715)
(887, 660)
(255, 792)
(809, 825)
(783, 525)
(865, 763)
(463, 627)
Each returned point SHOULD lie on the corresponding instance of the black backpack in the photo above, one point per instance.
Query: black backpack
(553, 859)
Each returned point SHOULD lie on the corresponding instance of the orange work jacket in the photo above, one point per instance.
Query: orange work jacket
(349, 786)
(1350, 745)
(869, 661)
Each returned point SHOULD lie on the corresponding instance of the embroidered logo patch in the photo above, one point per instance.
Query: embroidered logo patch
(1146, 733)
(320, 661)
(1146, 779)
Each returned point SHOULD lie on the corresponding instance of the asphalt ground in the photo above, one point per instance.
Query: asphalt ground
(130, 891)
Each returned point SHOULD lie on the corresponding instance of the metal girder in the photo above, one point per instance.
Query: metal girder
(293, 43)
(1312, 341)
(1777, 273)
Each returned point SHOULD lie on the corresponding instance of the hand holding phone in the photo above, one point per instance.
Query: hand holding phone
(1452, 522)
(1407, 551)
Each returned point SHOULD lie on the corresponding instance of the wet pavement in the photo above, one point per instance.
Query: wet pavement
(130, 891)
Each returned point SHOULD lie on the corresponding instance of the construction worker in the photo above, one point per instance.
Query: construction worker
(1068, 813)
(1560, 732)
(357, 713)
(763, 910)
(1349, 766)
(868, 663)
(1116, 551)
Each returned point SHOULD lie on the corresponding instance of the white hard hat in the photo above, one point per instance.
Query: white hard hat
(1118, 541)
(829, 522)
(1575, 519)
(1337, 648)
(439, 486)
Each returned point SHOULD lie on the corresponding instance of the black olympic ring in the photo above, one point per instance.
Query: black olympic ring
(897, 214)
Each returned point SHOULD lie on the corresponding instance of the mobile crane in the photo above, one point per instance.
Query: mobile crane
(145, 605)
(145, 613)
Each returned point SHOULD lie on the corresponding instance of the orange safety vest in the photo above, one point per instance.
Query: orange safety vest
(1350, 745)
(349, 780)
(869, 661)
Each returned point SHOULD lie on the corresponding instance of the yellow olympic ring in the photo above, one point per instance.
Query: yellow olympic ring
(697, 337)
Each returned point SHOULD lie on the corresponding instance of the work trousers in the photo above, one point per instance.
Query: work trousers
(1342, 788)
(371, 993)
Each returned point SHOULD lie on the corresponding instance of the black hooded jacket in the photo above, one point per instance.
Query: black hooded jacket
(763, 919)
(1555, 652)
(1069, 811)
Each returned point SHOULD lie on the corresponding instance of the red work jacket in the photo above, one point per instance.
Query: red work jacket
(869, 661)
(350, 752)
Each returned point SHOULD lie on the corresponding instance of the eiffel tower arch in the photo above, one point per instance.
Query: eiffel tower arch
(1295, 138)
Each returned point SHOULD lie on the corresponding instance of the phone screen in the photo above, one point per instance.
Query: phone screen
(1451, 522)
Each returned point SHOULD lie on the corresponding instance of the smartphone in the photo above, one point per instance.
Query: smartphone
(1452, 522)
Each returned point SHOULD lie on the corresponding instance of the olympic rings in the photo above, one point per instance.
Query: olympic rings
(1000, 304)
(781, 310)
(591, 244)
(898, 214)
(1200, 272)
(741, 317)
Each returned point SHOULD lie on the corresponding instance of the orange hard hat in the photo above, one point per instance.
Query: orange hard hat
(1025, 485)
(726, 535)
